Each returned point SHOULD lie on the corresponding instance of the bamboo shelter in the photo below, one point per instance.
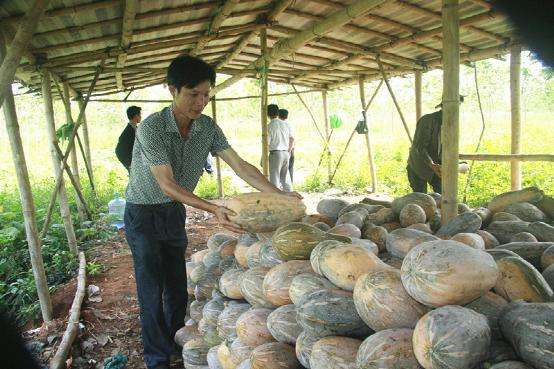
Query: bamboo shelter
(85, 50)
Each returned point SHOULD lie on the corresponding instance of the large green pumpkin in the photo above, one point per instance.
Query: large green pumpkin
(390, 349)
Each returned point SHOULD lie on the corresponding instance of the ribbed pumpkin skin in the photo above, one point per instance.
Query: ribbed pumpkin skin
(334, 352)
(345, 264)
(215, 240)
(268, 256)
(306, 283)
(251, 287)
(463, 223)
(212, 309)
(511, 365)
(426, 202)
(198, 256)
(331, 207)
(230, 282)
(352, 217)
(530, 194)
(195, 352)
(439, 273)
(252, 327)
(240, 351)
(412, 214)
(304, 345)
(548, 275)
(523, 237)
(347, 230)
(490, 241)
(277, 281)
(470, 239)
(382, 302)
(502, 216)
(500, 351)
(253, 254)
(227, 320)
(377, 235)
(186, 333)
(400, 241)
(275, 355)
(388, 349)
(530, 251)
(526, 212)
(519, 280)
(331, 313)
(213, 361)
(244, 365)
(196, 310)
(282, 324)
(224, 356)
(295, 241)
(528, 327)
(317, 251)
(490, 305)
(505, 230)
(451, 337)
(261, 212)
(544, 232)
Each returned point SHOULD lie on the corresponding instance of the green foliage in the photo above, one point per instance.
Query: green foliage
(207, 187)
(64, 132)
(94, 269)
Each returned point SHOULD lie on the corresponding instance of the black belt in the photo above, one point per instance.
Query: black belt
(276, 150)
(157, 206)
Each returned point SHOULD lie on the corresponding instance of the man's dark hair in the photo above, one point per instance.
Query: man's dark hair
(133, 111)
(272, 110)
(189, 71)
(283, 114)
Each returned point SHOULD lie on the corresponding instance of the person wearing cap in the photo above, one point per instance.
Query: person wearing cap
(424, 162)
(124, 148)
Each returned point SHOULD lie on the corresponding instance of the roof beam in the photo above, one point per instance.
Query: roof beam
(287, 46)
(222, 13)
(69, 10)
(126, 37)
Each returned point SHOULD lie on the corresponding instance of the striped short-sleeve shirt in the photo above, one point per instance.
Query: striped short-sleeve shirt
(159, 142)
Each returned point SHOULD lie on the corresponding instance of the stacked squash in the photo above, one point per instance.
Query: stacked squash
(367, 286)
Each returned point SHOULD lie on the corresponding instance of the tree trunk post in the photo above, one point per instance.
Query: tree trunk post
(515, 102)
(86, 139)
(326, 120)
(450, 108)
(220, 191)
(51, 130)
(418, 75)
(264, 87)
(367, 137)
(26, 195)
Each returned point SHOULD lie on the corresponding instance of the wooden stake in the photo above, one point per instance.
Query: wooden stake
(450, 108)
(51, 130)
(86, 139)
(508, 157)
(367, 138)
(309, 112)
(515, 102)
(417, 87)
(58, 362)
(19, 44)
(26, 195)
(264, 87)
(220, 191)
(384, 75)
(327, 135)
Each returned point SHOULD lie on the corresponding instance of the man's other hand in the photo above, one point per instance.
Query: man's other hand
(222, 214)
(437, 169)
(293, 194)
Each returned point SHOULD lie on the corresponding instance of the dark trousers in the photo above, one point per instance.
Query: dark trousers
(157, 238)
(420, 185)
(291, 165)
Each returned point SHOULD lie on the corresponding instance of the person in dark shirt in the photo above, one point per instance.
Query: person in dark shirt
(124, 148)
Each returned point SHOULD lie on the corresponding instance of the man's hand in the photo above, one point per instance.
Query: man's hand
(222, 215)
(437, 169)
(292, 194)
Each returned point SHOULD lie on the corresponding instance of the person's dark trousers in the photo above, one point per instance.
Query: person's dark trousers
(157, 238)
(420, 185)
(291, 165)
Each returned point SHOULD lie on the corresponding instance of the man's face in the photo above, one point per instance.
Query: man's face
(191, 101)
(136, 119)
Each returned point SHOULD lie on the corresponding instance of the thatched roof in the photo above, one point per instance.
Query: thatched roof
(137, 39)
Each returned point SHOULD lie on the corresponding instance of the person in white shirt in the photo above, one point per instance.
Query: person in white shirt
(280, 145)
(284, 115)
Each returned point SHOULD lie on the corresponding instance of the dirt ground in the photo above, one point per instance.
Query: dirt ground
(110, 318)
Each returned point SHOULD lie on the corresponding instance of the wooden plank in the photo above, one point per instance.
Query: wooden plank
(327, 135)
(19, 44)
(263, 103)
(515, 104)
(507, 157)
(68, 10)
(417, 87)
(368, 138)
(86, 141)
(221, 14)
(129, 13)
(220, 191)
(450, 109)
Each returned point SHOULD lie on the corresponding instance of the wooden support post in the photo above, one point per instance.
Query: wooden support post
(264, 87)
(12, 56)
(86, 141)
(327, 135)
(367, 138)
(74, 164)
(309, 112)
(515, 101)
(417, 87)
(26, 195)
(384, 75)
(58, 172)
(450, 108)
(220, 191)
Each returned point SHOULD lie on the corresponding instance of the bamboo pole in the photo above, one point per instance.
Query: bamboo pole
(26, 196)
(508, 157)
(450, 109)
(367, 138)
(310, 113)
(220, 191)
(327, 135)
(70, 145)
(221, 14)
(263, 103)
(515, 103)
(58, 361)
(418, 75)
(19, 44)
(74, 164)
(127, 24)
(384, 75)
(86, 141)
(51, 130)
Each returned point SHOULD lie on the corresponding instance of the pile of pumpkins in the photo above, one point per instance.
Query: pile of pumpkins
(375, 285)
